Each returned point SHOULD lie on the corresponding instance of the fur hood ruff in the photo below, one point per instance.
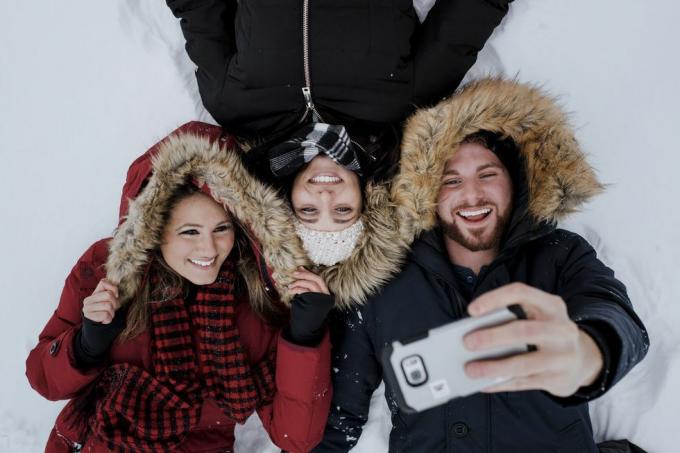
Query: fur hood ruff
(199, 152)
(558, 176)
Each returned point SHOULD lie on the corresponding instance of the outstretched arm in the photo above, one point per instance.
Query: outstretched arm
(448, 43)
(209, 29)
(587, 335)
(356, 375)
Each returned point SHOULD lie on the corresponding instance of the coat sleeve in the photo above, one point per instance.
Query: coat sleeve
(209, 30)
(598, 303)
(51, 367)
(448, 43)
(297, 416)
(356, 375)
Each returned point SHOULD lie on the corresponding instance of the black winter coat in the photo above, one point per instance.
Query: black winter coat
(370, 61)
(426, 295)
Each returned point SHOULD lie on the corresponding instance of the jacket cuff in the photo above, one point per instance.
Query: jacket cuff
(61, 370)
(303, 372)
(603, 381)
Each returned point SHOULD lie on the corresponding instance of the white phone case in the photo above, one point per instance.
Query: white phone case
(428, 370)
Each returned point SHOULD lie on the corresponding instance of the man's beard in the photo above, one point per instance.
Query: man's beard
(472, 239)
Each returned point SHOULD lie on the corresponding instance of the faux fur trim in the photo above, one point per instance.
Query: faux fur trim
(559, 177)
(267, 215)
(251, 202)
(377, 257)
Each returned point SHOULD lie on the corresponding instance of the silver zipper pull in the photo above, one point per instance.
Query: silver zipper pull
(307, 93)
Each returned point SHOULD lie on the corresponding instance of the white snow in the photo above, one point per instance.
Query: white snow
(86, 87)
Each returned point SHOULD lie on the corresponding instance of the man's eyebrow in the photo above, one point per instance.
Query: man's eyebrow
(489, 165)
(482, 167)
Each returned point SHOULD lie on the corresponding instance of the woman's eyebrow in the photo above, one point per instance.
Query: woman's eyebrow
(192, 225)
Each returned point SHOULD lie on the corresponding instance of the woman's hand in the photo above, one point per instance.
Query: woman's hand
(102, 304)
(309, 308)
(100, 326)
(307, 282)
(566, 358)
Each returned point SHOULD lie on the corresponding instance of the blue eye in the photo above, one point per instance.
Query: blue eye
(452, 182)
(191, 232)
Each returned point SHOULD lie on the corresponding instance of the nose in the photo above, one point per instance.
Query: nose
(324, 190)
(206, 246)
(472, 192)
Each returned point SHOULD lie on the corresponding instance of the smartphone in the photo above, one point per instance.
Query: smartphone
(428, 370)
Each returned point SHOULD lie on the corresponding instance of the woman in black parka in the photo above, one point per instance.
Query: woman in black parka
(266, 66)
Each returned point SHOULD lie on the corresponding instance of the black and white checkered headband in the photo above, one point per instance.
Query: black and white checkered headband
(310, 141)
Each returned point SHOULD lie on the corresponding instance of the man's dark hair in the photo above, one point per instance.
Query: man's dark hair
(503, 147)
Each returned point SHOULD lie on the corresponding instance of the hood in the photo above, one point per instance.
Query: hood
(558, 177)
(379, 253)
(201, 152)
(377, 257)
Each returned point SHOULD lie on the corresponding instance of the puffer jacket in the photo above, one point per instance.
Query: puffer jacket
(295, 418)
(554, 181)
(264, 65)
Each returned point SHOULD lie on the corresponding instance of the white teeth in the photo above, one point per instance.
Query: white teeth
(326, 179)
(203, 263)
(474, 213)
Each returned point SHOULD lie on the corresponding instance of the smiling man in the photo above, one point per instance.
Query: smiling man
(484, 208)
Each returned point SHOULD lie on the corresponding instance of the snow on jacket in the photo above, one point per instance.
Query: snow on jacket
(426, 293)
(296, 417)
(362, 60)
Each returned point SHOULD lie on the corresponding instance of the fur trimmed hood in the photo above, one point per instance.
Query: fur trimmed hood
(200, 152)
(558, 176)
(210, 157)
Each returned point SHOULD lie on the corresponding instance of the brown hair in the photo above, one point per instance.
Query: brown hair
(170, 284)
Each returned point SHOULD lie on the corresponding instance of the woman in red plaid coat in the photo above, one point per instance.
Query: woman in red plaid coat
(172, 331)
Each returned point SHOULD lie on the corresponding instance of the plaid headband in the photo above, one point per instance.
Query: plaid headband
(310, 141)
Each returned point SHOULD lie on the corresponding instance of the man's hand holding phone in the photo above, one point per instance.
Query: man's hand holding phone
(565, 358)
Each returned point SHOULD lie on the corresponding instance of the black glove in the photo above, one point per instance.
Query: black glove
(308, 313)
(94, 339)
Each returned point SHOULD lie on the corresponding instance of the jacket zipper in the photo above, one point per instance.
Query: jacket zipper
(307, 89)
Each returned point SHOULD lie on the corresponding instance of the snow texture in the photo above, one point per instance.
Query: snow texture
(86, 87)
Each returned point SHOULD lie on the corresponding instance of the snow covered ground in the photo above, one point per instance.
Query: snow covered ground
(85, 87)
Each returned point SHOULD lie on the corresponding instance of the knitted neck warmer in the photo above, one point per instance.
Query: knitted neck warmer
(329, 247)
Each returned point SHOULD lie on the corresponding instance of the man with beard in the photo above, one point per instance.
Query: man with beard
(483, 208)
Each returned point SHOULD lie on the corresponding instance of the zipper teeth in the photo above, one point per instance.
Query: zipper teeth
(307, 89)
(305, 40)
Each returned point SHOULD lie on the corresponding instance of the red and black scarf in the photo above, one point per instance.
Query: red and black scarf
(197, 354)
